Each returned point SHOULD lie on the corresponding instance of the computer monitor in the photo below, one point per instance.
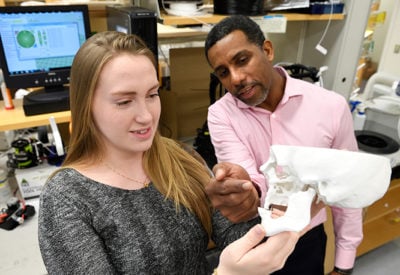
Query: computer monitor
(37, 47)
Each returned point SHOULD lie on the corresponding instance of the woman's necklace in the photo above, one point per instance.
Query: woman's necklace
(145, 182)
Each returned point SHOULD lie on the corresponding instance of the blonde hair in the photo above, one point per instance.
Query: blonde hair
(177, 174)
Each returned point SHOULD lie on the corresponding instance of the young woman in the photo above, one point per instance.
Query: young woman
(128, 201)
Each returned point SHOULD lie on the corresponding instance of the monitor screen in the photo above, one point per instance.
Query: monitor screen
(38, 45)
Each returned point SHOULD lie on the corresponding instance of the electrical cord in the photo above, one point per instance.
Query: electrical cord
(319, 47)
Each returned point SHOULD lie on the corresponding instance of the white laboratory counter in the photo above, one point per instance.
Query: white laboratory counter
(19, 248)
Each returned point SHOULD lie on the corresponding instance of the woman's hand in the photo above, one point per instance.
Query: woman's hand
(248, 256)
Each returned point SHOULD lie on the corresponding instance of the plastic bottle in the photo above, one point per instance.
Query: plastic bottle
(353, 105)
(5, 93)
(359, 119)
(5, 191)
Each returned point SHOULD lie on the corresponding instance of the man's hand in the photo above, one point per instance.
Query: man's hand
(232, 192)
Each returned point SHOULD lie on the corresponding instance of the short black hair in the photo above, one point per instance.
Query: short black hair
(232, 23)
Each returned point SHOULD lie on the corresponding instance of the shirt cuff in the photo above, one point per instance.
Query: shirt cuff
(257, 188)
(344, 259)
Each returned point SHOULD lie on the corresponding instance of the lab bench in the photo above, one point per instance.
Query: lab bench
(382, 220)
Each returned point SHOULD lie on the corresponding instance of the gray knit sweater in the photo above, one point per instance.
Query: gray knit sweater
(86, 227)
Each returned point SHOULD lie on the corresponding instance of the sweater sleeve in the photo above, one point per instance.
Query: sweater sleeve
(226, 232)
(68, 243)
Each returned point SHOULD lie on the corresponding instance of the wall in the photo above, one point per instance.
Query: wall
(343, 42)
(390, 60)
(381, 30)
(288, 44)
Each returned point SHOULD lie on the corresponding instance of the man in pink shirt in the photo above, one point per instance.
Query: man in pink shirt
(265, 106)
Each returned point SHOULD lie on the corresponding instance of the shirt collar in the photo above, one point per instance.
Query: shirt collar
(291, 86)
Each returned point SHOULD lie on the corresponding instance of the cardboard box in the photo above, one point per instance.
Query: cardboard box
(31, 180)
(190, 80)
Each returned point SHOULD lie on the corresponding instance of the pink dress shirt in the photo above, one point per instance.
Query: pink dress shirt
(307, 115)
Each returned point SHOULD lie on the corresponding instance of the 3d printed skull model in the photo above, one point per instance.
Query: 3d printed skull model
(339, 178)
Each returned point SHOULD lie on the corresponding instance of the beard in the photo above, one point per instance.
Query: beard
(259, 96)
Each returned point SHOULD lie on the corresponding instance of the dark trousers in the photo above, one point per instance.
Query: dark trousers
(308, 256)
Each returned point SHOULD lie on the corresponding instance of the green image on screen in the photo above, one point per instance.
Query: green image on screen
(25, 39)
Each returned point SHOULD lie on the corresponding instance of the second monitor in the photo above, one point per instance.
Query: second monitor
(134, 20)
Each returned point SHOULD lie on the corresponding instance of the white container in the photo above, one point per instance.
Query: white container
(31, 180)
(5, 191)
(359, 120)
